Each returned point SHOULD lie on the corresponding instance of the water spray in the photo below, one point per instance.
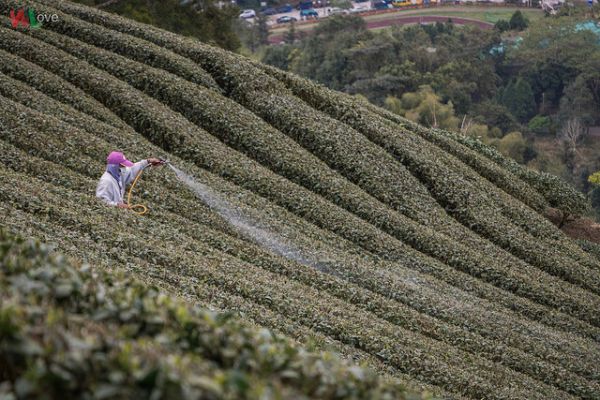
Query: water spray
(243, 223)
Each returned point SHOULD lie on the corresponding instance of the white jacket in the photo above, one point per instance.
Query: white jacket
(112, 192)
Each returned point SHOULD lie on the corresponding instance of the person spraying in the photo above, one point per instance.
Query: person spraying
(119, 173)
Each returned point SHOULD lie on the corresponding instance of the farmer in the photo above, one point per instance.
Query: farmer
(119, 173)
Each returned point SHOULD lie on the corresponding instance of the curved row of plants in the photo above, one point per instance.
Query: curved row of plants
(403, 349)
(200, 235)
(144, 343)
(163, 38)
(356, 114)
(42, 80)
(46, 34)
(459, 279)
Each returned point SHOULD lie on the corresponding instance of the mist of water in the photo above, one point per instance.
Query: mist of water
(244, 223)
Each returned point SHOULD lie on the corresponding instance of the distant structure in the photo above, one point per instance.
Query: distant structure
(551, 6)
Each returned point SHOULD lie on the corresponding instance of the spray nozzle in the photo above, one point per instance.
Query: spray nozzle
(164, 161)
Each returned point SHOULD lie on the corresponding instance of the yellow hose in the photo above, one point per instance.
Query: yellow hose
(133, 207)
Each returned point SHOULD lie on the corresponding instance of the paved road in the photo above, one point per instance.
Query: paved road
(411, 20)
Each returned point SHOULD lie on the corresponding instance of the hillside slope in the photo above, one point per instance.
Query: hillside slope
(420, 252)
(84, 332)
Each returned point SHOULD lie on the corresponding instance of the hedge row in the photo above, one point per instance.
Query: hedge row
(135, 49)
(445, 140)
(178, 44)
(50, 84)
(412, 353)
(172, 41)
(141, 343)
(529, 248)
(515, 359)
(409, 236)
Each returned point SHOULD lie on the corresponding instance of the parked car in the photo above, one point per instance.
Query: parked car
(285, 19)
(381, 5)
(248, 14)
(308, 14)
(269, 11)
(360, 9)
(305, 5)
(337, 11)
(285, 9)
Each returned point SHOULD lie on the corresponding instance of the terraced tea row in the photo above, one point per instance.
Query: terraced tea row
(421, 253)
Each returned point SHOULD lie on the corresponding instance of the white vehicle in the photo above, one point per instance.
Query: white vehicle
(248, 14)
(337, 11)
(360, 9)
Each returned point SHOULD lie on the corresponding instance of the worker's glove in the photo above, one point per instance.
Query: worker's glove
(155, 161)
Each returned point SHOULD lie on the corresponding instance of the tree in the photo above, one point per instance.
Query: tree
(594, 193)
(518, 21)
(571, 136)
(290, 35)
(502, 25)
(495, 115)
(578, 102)
(519, 99)
(540, 125)
(513, 145)
(424, 107)
(278, 56)
(262, 29)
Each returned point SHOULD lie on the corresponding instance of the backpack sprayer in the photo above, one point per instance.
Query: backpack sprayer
(140, 209)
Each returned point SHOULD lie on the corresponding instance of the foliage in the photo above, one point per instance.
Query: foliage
(78, 331)
(425, 108)
(202, 19)
(594, 178)
(518, 21)
(518, 98)
(540, 125)
(513, 145)
(421, 252)
(502, 25)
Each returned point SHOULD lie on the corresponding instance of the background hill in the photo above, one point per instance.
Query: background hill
(419, 252)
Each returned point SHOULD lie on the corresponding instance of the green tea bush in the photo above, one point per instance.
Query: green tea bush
(74, 330)
(407, 236)
(32, 119)
(504, 327)
(461, 289)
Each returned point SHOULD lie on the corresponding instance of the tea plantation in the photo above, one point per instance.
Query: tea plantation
(425, 255)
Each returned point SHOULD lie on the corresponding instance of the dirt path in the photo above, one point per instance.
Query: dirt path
(576, 227)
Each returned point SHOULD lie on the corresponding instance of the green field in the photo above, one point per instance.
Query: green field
(421, 254)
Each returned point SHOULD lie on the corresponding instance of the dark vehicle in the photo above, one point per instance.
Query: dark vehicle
(285, 19)
(269, 11)
(380, 5)
(309, 14)
(305, 5)
(285, 9)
